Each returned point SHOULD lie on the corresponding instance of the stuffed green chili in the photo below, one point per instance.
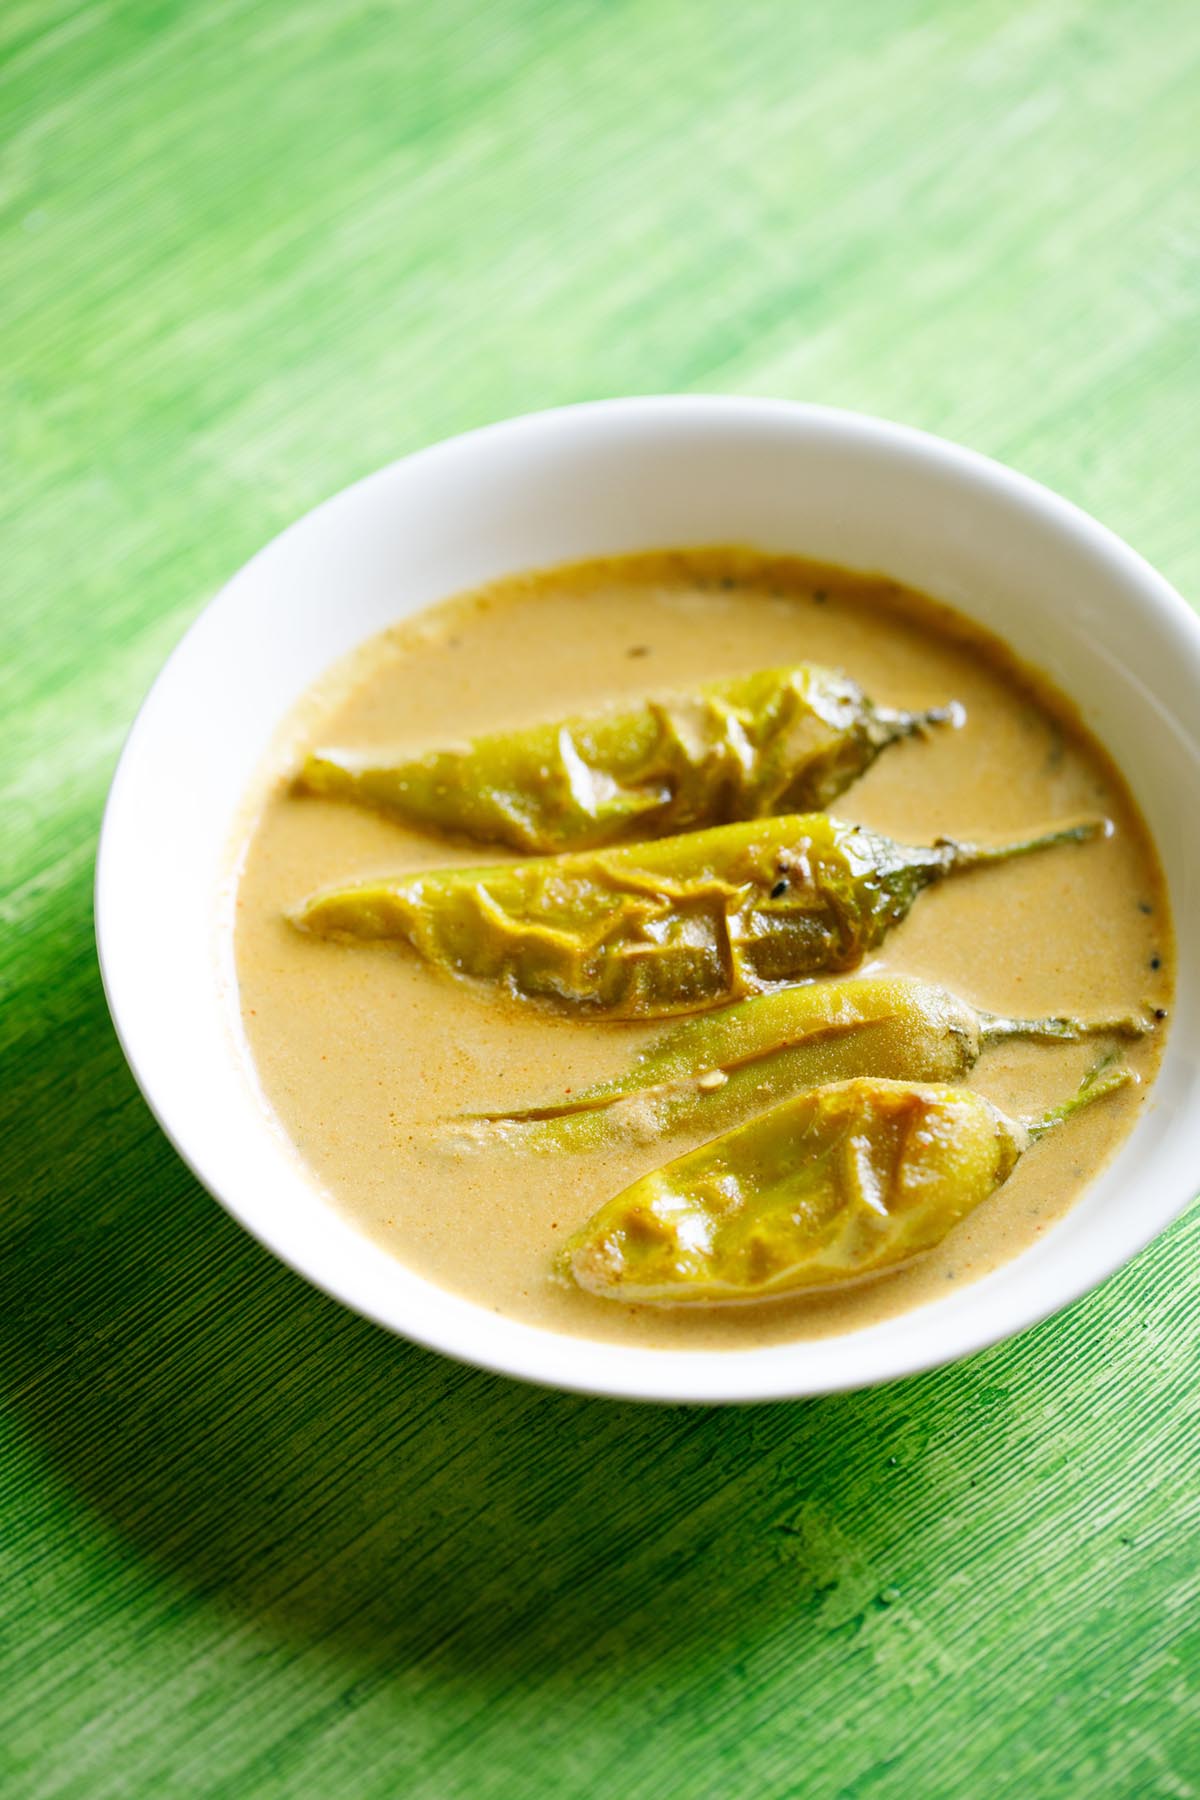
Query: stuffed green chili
(779, 741)
(681, 925)
(837, 1185)
(710, 1071)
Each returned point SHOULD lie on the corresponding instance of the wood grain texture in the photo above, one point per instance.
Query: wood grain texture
(253, 1546)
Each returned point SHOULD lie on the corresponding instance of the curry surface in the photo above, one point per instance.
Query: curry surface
(364, 1052)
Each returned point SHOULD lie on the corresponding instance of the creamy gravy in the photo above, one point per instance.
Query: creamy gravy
(362, 1050)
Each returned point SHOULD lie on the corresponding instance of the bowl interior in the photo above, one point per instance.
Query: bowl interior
(1069, 598)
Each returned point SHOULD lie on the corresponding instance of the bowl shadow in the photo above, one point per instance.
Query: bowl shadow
(268, 1452)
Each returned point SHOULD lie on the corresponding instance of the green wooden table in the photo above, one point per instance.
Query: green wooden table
(251, 249)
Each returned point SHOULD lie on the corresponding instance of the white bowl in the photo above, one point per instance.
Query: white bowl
(620, 476)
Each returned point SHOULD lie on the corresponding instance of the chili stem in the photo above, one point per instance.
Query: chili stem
(957, 856)
(994, 1028)
(1105, 1078)
(891, 724)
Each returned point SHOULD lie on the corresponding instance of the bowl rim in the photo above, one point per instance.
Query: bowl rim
(526, 1352)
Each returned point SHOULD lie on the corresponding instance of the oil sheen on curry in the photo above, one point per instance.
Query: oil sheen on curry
(698, 949)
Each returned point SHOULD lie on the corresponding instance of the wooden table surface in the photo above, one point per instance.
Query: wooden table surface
(251, 250)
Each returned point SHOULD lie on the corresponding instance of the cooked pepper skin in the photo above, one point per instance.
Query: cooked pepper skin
(646, 930)
(840, 1183)
(779, 741)
(836, 1185)
(709, 1072)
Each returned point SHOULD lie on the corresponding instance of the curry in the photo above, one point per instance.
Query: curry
(562, 891)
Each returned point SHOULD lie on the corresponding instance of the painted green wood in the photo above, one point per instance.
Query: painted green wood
(252, 249)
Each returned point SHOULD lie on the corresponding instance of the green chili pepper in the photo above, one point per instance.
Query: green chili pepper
(780, 741)
(716, 1069)
(681, 925)
(837, 1185)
